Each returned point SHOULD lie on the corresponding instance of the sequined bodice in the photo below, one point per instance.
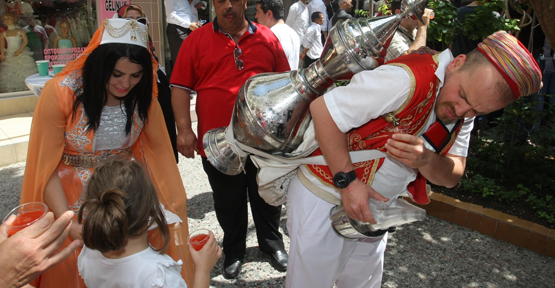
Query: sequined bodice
(111, 130)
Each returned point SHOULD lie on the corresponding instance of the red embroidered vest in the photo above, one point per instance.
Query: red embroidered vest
(416, 110)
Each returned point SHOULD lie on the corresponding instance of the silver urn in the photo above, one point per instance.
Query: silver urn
(271, 112)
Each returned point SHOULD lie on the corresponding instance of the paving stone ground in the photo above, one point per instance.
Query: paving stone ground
(432, 253)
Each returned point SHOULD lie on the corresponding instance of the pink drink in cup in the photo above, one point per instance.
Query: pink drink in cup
(199, 238)
(26, 215)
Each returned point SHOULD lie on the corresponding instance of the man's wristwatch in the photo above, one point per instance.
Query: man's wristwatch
(342, 180)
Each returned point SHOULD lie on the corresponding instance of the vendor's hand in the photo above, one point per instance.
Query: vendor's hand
(302, 56)
(409, 150)
(199, 5)
(76, 230)
(355, 201)
(35, 249)
(16, 53)
(193, 26)
(187, 143)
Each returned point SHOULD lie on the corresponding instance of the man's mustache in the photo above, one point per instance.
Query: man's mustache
(230, 11)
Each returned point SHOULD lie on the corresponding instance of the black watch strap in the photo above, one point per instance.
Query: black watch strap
(342, 180)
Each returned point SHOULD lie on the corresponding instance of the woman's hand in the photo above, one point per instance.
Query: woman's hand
(2, 57)
(16, 53)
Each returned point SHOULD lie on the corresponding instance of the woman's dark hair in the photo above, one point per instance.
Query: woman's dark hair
(97, 71)
(120, 204)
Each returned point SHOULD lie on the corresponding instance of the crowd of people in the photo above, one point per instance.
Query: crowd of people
(100, 151)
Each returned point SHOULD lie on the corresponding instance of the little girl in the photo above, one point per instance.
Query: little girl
(120, 206)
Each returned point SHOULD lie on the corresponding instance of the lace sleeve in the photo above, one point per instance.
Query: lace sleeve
(169, 275)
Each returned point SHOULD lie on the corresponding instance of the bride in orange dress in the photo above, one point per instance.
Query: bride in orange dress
(103, 106)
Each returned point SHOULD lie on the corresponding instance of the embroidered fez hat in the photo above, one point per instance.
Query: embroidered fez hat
(514, 62)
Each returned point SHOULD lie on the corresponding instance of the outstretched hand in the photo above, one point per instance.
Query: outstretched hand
(33, 250)
(355, 201)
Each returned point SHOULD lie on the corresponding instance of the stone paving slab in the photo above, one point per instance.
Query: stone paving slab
(432, 253)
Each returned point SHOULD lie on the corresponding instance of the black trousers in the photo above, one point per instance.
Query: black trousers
(176, 34)
(230, 203)
(307, 61)
(165, 100)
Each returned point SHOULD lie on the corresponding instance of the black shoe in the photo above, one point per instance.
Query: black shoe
(278, 259)
(232, 269)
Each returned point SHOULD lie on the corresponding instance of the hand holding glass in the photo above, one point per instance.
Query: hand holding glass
(402, 128)
(199, 238)
(26, 215)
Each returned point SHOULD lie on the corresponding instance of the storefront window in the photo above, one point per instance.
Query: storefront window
(32, 30)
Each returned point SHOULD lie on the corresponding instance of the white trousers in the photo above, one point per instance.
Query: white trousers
(318, 257)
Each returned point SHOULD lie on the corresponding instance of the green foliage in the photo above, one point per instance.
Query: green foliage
(342, 83)
(480, 184)
(507, 167)
(482, 23)
(486, 20)
(445, 21)
(362, 14)
(543, 206)
(385, 8)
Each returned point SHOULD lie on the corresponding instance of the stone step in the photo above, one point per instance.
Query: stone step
(14, 137)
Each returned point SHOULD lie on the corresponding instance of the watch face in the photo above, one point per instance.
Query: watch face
(342, 180)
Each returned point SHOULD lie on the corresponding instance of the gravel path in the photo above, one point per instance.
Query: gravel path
(432, 253)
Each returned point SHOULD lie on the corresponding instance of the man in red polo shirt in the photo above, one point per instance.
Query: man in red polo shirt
(215, 60)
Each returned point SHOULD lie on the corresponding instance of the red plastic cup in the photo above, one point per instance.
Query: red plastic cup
(199, 238)
(25, 215)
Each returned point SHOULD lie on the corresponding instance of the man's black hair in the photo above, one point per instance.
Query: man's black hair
(276, 6)
(315, 16)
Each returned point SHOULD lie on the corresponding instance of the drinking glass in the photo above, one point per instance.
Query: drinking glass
(26, 215)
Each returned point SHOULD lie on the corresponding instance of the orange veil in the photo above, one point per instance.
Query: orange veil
(152, 148)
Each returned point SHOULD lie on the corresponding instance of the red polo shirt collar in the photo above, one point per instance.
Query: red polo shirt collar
(252, 27)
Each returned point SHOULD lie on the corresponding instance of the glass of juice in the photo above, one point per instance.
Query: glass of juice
(25, 215)
(199, 238)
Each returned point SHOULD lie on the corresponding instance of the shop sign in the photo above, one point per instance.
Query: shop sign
(108, 8)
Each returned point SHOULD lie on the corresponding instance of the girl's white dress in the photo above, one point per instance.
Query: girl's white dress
(147, 268)
(14, 69)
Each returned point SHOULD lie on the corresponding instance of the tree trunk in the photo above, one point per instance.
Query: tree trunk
(545, 9)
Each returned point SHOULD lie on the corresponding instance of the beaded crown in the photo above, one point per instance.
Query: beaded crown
(126, 31)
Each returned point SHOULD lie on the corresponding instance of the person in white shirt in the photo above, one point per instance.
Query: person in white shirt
(298, 18)
(312, 44)
(179, 16)
(319, 6)
(117, 229)
(410, 35)
(197, 4)
(270, 14)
